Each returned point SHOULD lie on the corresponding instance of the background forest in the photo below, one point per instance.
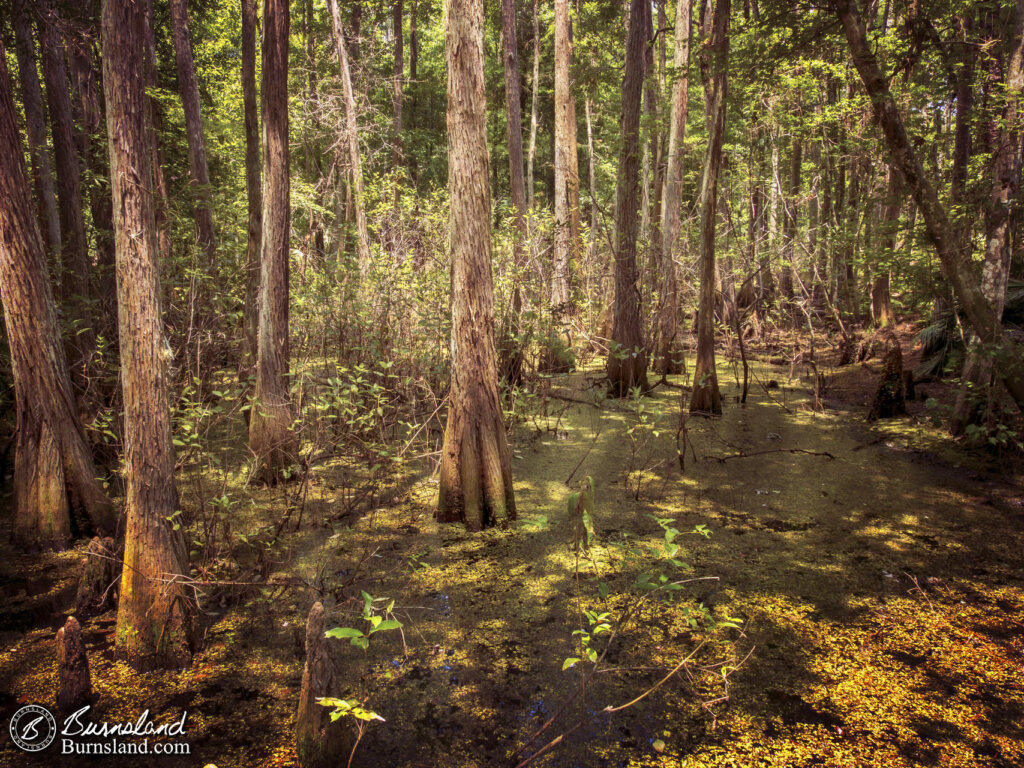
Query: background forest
(629, 383)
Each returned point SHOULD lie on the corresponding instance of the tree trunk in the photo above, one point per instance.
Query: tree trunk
(881, 303)
(35, 123)
(254, 192)
(999, 224)
(513, 357)
(532, 154)
(789, 222)
(154, 125)
(414, 45)
(352, 131)
(890, 397)
(592, 189)
(313, 166)
(706, 397)
(476, 468)
(156, 611)
(200, 174)
(271, 438)
(94, 151)
(627, 357)
(74, 245)
(962, 129)
(669, 356)
(396, 85)
(566, 168)
(55, 486)
(956, 265)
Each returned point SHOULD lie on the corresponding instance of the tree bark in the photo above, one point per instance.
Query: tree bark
(627, 356)
(154, 125)
(706, 397)
(890, 397)
(956, 265)
(74, 245)
(532, 154)
(94, 152)
(35, 124)
(352, 131)
(396, 85)
(881, 302)
(250, 106)
(512, 356)
(200, 174)
(566, 168)
(55, 486)
(156, 611)
(476, 468)
(789, 223)
(271, 438)
(669, 356)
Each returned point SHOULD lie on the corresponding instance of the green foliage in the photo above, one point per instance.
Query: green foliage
(378, 613)
(348, 708)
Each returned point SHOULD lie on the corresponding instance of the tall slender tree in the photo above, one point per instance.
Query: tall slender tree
(156, 611)
(476, 466)
(74, 245)
(198, 171)
(254, 193)
(55, 488)
(669, 358)
(396, 85)
(512, 359)
(155, 126)
(35, 124)
(627, 357)
(271, 438)
(352, 138)
(790, 213)
(534, 90)
(93, 149)
(706, 397)
(881, 302)
(567, 216)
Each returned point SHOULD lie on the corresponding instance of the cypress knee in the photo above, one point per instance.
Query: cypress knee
(74, 687)
(98, 585)
(319, 742)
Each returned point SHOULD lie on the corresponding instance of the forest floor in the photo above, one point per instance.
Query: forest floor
(877, 573)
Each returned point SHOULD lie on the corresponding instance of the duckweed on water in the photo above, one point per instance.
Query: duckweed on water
(878, 587)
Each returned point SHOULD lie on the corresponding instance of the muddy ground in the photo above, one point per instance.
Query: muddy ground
(876, 573)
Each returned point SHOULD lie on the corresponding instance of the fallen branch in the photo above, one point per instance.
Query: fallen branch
(742, 455)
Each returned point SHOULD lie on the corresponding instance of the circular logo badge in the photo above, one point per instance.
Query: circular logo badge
(33, 728)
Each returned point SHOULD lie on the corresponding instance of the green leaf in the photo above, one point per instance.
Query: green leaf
(386, 625)
(572, 661)
(343, 632)
(603, 589)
